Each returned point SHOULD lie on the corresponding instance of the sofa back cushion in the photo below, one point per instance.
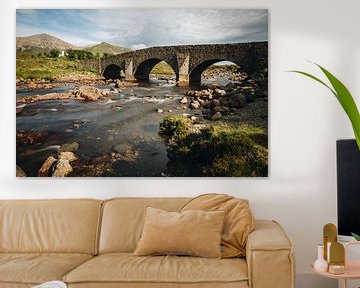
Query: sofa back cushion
(123, 220)
(64, 226)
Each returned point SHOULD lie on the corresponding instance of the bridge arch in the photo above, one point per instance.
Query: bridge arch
(112, 71)
(195, 73)
(142, 71)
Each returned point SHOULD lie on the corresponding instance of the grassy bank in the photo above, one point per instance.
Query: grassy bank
(31, 67)
(216, 150)
(162, 69)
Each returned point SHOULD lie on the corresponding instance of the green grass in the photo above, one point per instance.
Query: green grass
(28, 67)
(162, 68)
(218, 150)
(232, 67)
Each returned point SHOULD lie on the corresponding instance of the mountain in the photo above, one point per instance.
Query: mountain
(104, 47)
(41, 42)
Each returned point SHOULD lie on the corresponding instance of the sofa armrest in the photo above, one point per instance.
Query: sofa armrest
(269, 255)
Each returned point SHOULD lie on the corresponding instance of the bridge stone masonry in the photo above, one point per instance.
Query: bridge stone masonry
(187, 61)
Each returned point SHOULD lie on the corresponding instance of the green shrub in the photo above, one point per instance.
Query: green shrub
(54, 53)
(220, 150)
(175, 126)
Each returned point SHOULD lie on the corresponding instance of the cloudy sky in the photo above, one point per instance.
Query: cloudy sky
(140, 28)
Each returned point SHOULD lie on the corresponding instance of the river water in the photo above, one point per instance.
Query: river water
(127, 119)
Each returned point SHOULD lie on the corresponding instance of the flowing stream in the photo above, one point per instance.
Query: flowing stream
(128, 118)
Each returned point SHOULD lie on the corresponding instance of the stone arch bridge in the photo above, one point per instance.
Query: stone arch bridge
(187, 61)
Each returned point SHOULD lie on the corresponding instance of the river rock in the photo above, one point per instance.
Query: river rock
(30, 137)
(48, 86)
(119, 84)
(219, 92)
(202, 101)
(205, 93)
(121, 148)
(249, 98)
(194, 105)
(87, 93)
(72, 147)
(215, 102)
(62, 168)
(217, 109)
(184, 100)
(201, 93)
(20, 172)
(190, 93)
(105, 93)
(31, 86)
(216, 116)
(69, 156)
(124, 152)
(45, 169)
(237, 100)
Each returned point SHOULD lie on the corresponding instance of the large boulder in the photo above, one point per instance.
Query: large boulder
(119, 84)
(201, 93)
(216, 116)
(214, 103)
(194, 105)
(237, 100)
(184, 100)
(62, 168)
(69, 147)
(69, 156)
(87, 93)
(219, 92)
(46, 167)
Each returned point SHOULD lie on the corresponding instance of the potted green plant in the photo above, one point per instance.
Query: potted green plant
(345, 99)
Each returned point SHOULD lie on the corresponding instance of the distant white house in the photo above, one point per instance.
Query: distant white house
(62, 53)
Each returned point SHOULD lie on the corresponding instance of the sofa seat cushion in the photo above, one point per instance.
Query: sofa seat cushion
(127, 268)
(36, 268)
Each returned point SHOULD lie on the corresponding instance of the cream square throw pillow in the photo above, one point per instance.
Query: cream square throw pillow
(193, 232)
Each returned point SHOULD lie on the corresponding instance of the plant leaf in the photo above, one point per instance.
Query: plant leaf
(357, 237)
(316, 79)
(347, 102)
(344, 97)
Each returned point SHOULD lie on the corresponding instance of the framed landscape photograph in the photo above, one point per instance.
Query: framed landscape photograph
(142, 92)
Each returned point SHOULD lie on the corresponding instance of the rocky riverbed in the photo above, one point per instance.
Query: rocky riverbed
(101, 128)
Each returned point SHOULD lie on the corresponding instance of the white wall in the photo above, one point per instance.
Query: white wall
(305, 120)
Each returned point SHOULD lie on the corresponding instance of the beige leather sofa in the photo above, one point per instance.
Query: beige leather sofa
(89, 243)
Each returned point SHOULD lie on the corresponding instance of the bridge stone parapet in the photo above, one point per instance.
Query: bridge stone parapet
(187, 61)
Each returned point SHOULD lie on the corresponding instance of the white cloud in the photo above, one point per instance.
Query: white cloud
(141, 28)
(138, 46)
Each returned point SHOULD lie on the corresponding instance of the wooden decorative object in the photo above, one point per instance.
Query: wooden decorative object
(330, 236)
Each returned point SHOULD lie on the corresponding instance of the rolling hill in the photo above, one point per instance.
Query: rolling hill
(43, 43)
(104, 47)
